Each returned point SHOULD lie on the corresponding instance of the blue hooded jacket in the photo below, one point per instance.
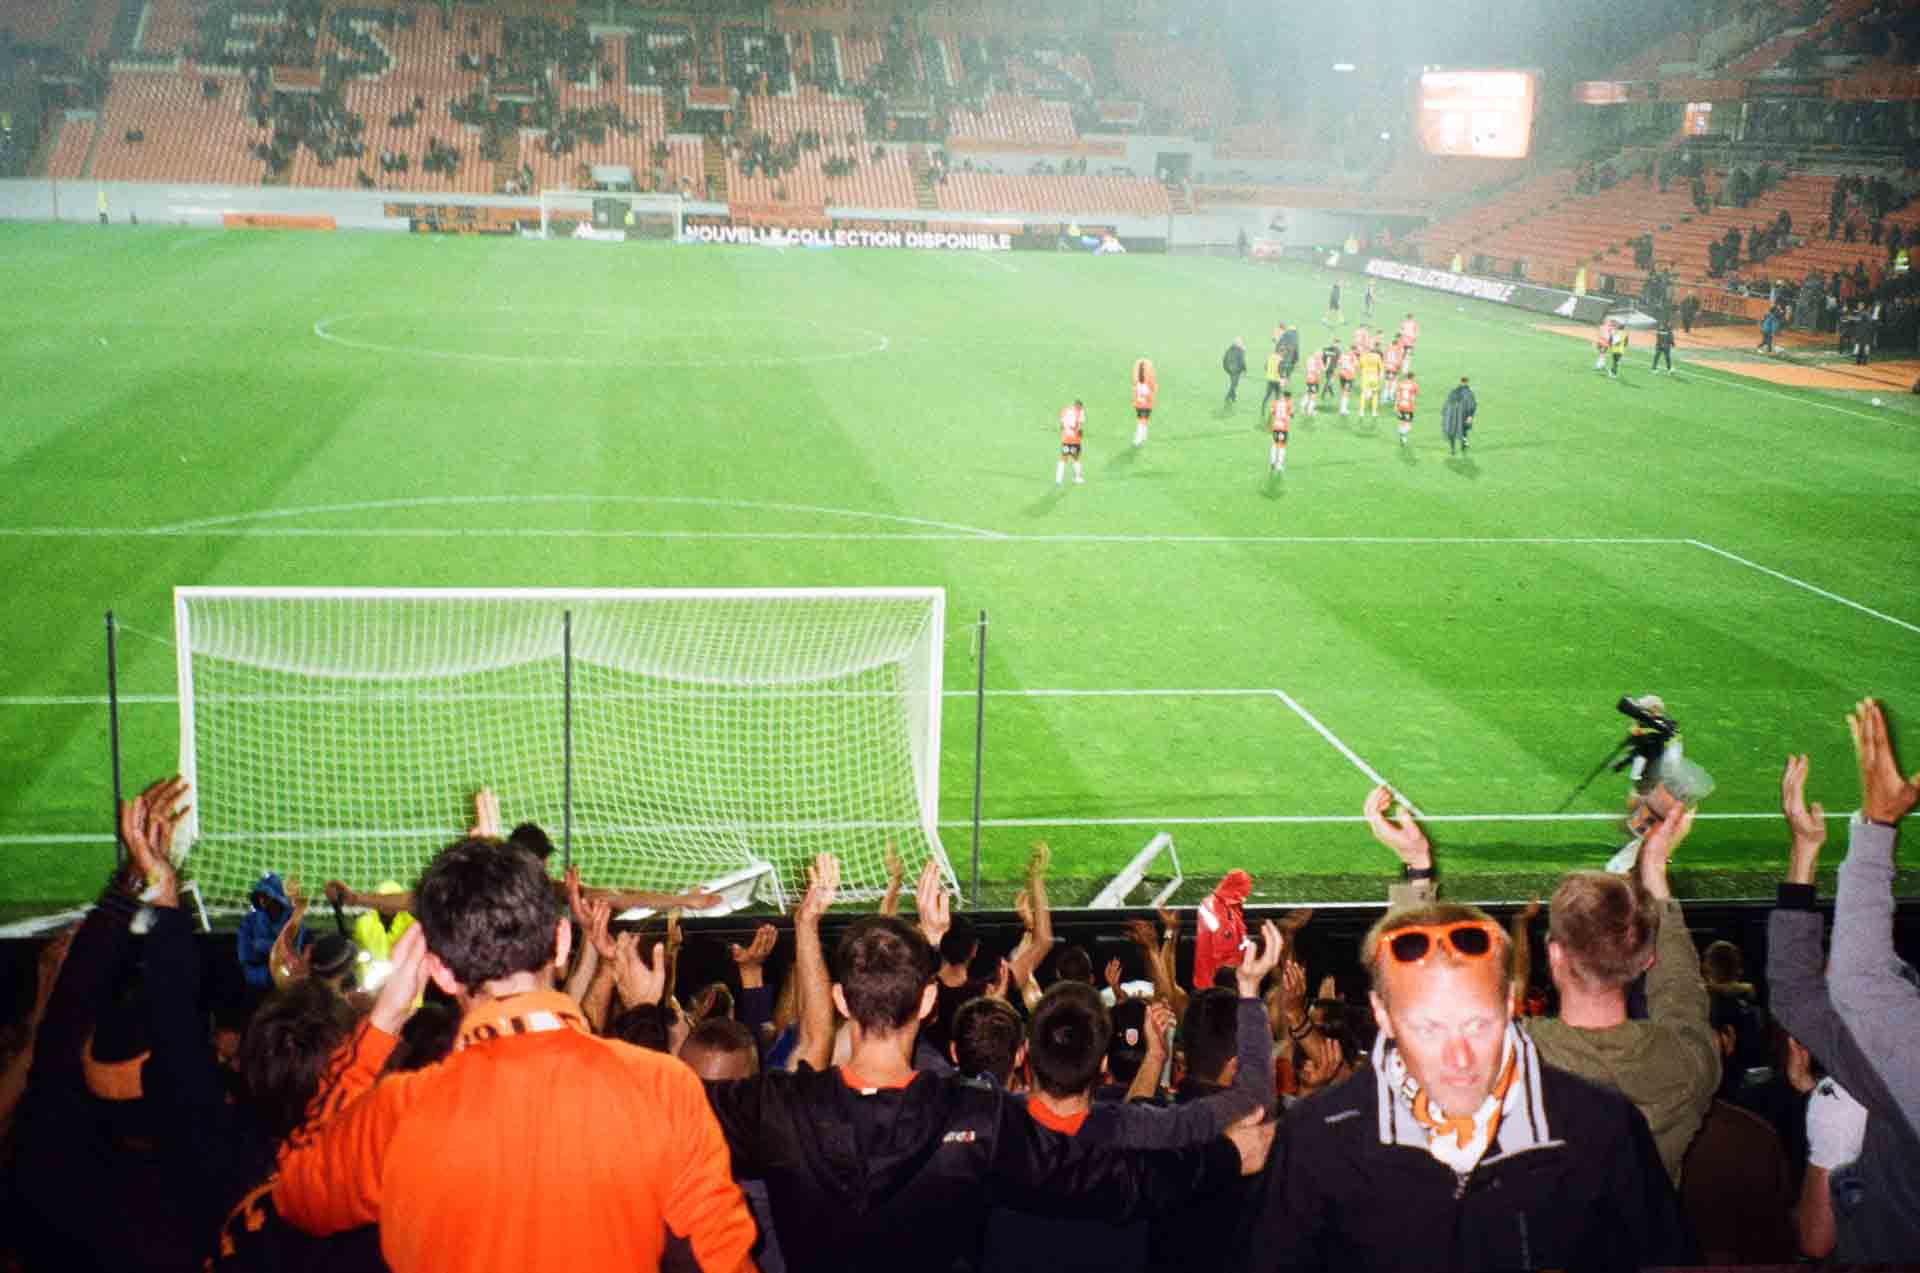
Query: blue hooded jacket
(260, 926)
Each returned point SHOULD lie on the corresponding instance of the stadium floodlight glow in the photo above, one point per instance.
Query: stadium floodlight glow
(1343, 66)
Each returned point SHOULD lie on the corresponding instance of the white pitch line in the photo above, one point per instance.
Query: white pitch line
(1801, 583)
(1333, 739)
(985, 537)
(1252, 819)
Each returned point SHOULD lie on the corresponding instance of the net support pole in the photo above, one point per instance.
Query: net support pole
(566, 741)
(979, 744)
(113, 737)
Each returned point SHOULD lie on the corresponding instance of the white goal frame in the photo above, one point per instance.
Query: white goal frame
(580, 202)
(739, 881)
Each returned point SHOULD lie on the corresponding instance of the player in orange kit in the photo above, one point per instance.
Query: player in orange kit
(1348, 367)
(1409, 332)
(1403, 399)
(1144, 389)
(1316, 370)
(1395, 359)
(1073, 420)
(1281, 420)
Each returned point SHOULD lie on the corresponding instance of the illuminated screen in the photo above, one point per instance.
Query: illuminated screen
(1484, 113)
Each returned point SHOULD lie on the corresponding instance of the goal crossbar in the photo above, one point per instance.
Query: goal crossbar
(719, 736)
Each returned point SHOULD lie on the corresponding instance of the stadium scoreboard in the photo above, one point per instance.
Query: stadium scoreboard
(1486, 114)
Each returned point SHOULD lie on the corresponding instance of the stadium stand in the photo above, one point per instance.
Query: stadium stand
(1186, 87)
(188, 136)
(994, 192)
(1777, 48)
(35, 21)
(1009, 117)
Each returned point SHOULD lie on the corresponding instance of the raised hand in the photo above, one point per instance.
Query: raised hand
(1040, 860)
(405, 980)
(1256, 964)
(1023, 907)
(1885, 796)
(756, 952)
(1808, 823)
(575, 902)
(486, 815)
(1657, 849)
(147, 825)
(599, 915)
(931, 900)
(1293, 994)
(823, 881)
(1169, 920)
(896, 869)
(635, 982)
(1160, 1024)
(1295, 920)
(1403, 835)
(1113, 979)
(1140, 931)
(1321, 1060)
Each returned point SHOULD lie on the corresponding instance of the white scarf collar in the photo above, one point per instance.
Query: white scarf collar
(1522, 1115)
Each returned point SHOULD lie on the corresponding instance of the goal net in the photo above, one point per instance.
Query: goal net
(610, 215)
(340, 733)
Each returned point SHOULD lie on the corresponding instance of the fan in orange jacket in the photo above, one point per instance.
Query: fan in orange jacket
(462, 1163)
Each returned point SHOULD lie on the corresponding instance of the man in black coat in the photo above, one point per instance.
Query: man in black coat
(1459, 1148)
(1456, 417)
(1234, 363)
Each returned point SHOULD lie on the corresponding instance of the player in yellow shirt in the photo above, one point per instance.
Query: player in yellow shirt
(1371, 367)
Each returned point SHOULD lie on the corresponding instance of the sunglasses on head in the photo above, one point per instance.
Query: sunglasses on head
(1467, 938)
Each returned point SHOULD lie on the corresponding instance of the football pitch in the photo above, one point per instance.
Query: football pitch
(1183, 644)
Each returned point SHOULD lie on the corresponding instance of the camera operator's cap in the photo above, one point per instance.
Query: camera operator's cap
(1651, 703)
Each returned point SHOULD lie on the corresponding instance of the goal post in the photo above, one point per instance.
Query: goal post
(612, 215)
(715, 733)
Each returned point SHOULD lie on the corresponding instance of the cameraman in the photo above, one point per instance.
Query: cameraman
(1658, 774)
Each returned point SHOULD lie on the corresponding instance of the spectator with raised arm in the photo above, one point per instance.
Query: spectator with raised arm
(83, 1146)
(1461, 1147)
(1880, 1219)
(458, 1163)
(875, 1164)
(1876, 993)
(1603, 933)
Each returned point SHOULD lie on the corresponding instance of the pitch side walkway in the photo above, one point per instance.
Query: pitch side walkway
(1804, 360)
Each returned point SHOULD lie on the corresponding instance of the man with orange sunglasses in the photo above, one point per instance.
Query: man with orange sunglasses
(1459, 1147)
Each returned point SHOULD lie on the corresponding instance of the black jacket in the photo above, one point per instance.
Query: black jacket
(1593, 1197)
(1235, 361)
(903, 1178)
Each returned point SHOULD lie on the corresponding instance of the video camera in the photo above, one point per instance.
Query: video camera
(1653, 722)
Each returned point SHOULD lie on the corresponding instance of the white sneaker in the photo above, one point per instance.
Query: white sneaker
(1079, 481)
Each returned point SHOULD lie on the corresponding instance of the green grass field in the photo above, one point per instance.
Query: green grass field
(381, 410)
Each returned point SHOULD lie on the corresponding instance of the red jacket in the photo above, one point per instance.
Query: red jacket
(1221, 933)
(534, 1145)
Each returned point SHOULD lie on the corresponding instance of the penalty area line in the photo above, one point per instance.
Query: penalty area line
(1313, 722)
(1801, 583)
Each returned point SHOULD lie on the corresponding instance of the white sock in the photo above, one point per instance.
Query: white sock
(1076, 472)
(1060, 471)
(1139, 434)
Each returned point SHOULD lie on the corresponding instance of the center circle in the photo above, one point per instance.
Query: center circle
(574, 337)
